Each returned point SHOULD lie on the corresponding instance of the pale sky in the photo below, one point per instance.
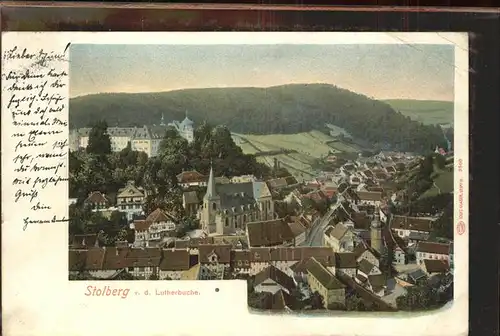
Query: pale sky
(390, 71)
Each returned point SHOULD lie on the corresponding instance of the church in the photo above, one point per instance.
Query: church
(227, 208)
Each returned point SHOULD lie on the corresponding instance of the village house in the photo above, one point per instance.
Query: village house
(192, 244)
(365, 269)
(97, 201)
(299, 231)
(271, 280)
(364, 252)
(339, 237)
(143, 262)
(281, 301)
(403, 226)
(377, 283)
(190, 202)
(431, 250)
(174, 263)
(269, 233)
(153, 230)
(320, 280)
(256, 259)
(94, 263)
(416, 277)
(214, 260)
(373, 198)
(240, 262)
(191, 178)
(433, 267)
(130, 200)
(116, 260)
(345, 263)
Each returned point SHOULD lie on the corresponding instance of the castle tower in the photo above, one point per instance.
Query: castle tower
(211, 204)
(376, 232)
(187, 129)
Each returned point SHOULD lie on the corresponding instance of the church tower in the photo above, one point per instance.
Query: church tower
(162, 122)
(211, 204)
(376, 232)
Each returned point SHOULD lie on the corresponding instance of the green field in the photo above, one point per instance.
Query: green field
(309, 146)
(426, 111)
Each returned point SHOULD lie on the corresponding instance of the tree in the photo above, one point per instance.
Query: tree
(418, 298)
(99, 140)
(440, 161)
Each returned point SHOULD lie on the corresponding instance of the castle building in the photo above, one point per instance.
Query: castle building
(228, 207)
(376, 239)
(185, 128)
(145, 139)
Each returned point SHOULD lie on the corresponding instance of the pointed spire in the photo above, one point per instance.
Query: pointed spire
(211, 193)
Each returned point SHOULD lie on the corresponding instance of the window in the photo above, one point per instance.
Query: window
(227, 222)
(214, 206)
(130, 269)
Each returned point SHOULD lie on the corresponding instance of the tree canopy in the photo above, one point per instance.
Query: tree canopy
(99, 140)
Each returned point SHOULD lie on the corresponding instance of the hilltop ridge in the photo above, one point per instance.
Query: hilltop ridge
(285, 109)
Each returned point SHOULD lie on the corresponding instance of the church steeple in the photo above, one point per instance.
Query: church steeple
(211, 193)
(376, 223)
(376, 240)
(162, 123)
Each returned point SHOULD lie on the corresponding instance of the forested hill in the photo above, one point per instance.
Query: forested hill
(281, 109)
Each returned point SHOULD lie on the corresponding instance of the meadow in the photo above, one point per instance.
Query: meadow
(307, 147)
(428, 112)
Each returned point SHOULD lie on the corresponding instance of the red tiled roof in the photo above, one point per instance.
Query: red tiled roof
(159, 215)
(175, 260)
(431, 247)
(97, 197)
(222, 251)
(369, 195)
(268, 233)
(276, 275)
(436, 266)
(411, 223)
(191, 177)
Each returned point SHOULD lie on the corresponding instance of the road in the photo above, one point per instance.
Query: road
(315, 237)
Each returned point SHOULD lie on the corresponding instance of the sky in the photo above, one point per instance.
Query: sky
(384, 71)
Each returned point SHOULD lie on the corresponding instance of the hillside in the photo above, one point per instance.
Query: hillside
(441, 179)
(429, 112)
(286, 109)
(296, 152)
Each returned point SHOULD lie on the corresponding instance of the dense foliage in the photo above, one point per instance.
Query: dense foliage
(96, 170)
(281, 109)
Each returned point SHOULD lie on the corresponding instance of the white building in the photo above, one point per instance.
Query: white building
(185, 128)
(145, 139)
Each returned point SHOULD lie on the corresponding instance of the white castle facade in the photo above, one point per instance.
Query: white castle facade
(143, 139)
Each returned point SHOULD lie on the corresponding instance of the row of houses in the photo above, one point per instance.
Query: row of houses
(286, 269)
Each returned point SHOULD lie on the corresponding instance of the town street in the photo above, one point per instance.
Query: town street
(315, 236)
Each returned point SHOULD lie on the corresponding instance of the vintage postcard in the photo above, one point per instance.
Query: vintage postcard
(266, 177)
